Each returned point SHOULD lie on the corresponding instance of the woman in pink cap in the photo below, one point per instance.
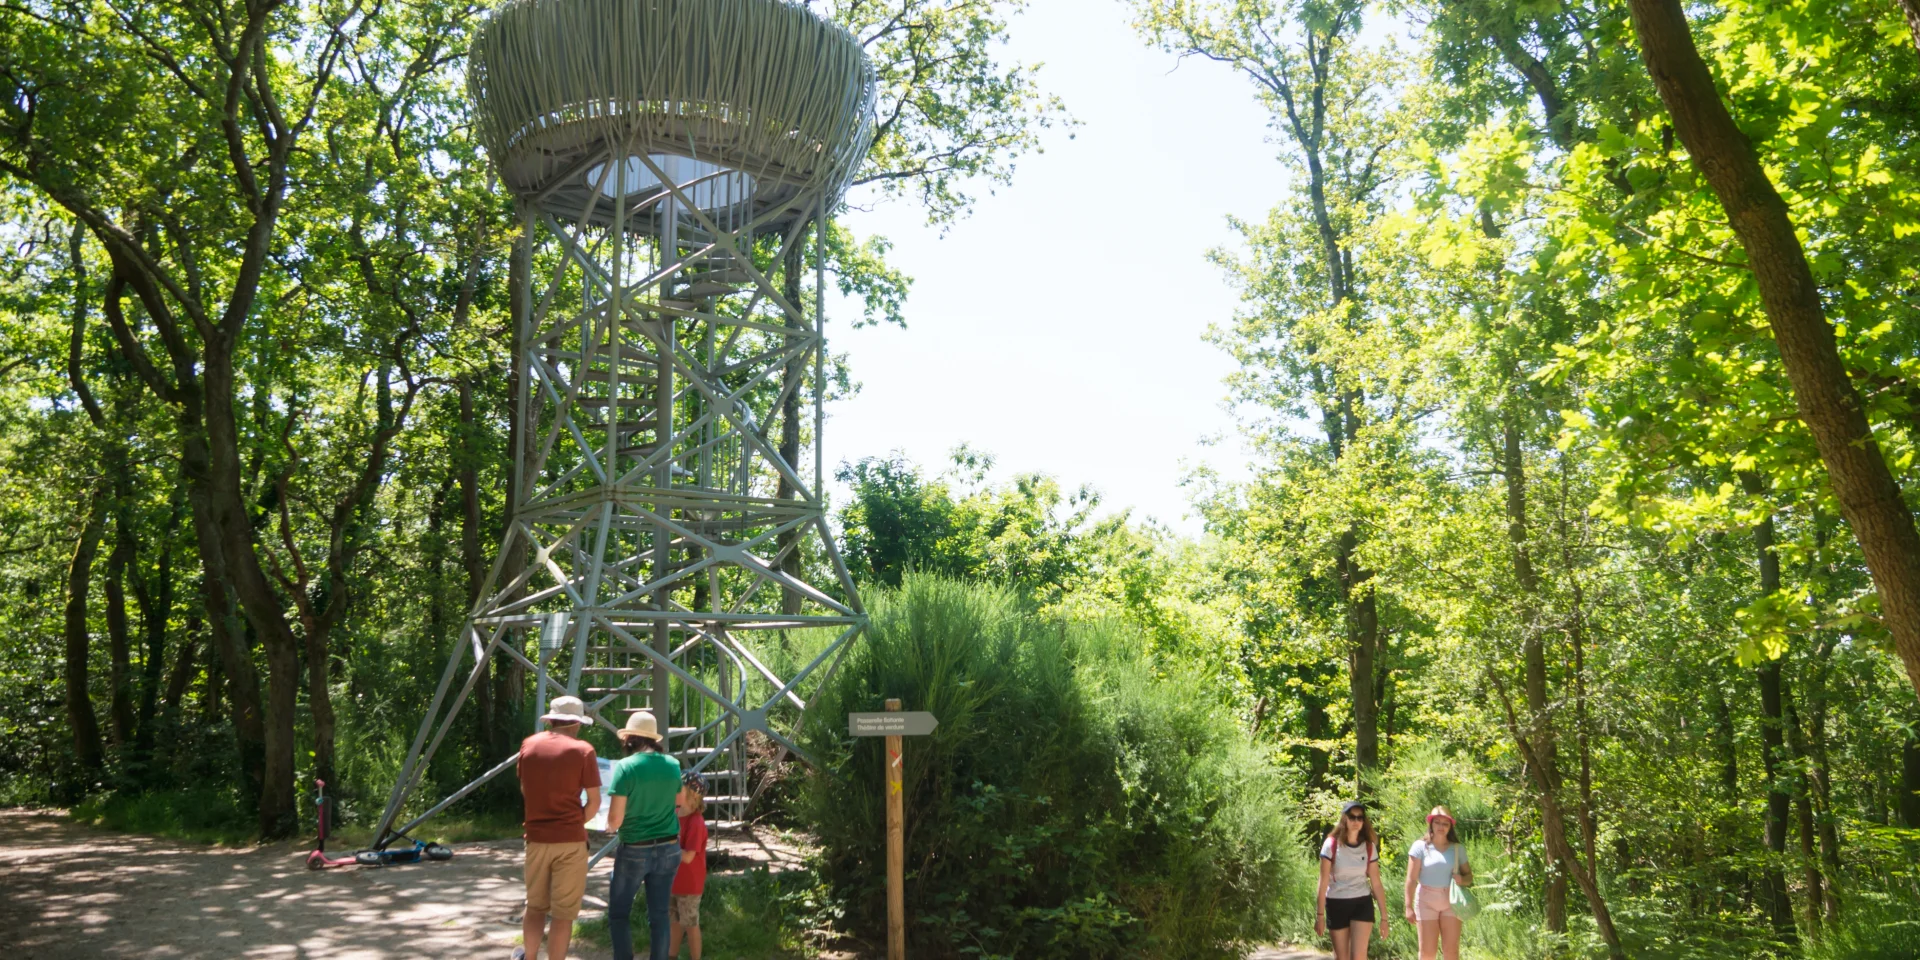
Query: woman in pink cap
(1434, 862)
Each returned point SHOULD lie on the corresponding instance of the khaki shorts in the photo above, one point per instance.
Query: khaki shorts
(556, 878)
(684, 911)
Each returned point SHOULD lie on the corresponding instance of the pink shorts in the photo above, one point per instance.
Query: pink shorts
(1432, 904)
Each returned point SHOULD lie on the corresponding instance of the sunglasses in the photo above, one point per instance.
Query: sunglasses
(1356, 815)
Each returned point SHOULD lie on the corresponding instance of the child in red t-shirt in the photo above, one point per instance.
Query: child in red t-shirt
(691, 879)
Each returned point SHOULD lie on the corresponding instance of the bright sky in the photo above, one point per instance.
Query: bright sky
(1059, 326)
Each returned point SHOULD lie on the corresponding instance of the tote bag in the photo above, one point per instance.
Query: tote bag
(1462, 901)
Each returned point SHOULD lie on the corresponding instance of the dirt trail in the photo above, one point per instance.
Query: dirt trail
(71, 891)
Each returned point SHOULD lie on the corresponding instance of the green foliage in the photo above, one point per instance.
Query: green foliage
(1027, 534)
(896, 522)
(1071, 804)
(1516, 374)
(951, 113)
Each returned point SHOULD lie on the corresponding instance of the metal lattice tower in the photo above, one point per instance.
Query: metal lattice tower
(670, 160)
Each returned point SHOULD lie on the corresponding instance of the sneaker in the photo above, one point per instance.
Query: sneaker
(519, 953)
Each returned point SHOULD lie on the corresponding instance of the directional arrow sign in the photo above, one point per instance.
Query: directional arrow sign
(916, 723)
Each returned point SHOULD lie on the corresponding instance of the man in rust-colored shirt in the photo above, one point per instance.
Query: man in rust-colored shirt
(555, 765)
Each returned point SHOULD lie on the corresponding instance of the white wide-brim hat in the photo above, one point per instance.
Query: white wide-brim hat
(642, 724)
(565, 710)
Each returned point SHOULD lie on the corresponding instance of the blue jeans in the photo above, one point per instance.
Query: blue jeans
(655, 866)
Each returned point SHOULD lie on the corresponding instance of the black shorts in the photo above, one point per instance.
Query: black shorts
(1343, 912)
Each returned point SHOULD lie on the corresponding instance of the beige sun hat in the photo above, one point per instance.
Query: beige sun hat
(565, 710)
(641, 724)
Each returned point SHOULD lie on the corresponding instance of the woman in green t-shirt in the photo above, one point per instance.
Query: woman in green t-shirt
(641, 809)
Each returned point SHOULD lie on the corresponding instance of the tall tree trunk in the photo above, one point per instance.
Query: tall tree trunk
(278, 817)
(1359, 611)
(440, 619)
(1869, 496)
(1779, 801)
(201, 379)
(247, 580)
(119, 635)
(181, 674)
(1818, 695)
(1577, 637)
(474, 561)
(1301, 108)
(1314, 711)
(212, 493)
(1533, 650)
(1729, 755)
(436, 565)
(226, 632)
(320, 702)
(1822, 783)
(235, 584)
(1584, 874)
(1803, 814)
(155, 599)
(1366, 703)
(1363, 639)
(324, 608)
(80, 718)
(1912, 9)
(1910, 780)
(1724, 744)
(510, 683)
(1773, 742)
(1389, 708)
(1553, 831)
(212, 691)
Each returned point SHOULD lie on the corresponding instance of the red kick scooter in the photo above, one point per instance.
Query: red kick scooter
(322, 810)
(413, 851)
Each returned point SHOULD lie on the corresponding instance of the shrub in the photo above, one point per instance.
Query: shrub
(1071, 803)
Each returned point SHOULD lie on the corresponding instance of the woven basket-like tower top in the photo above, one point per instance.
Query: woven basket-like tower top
(764, 87)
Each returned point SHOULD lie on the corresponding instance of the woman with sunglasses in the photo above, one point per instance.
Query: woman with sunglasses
(1434, 862)
(1350, 884)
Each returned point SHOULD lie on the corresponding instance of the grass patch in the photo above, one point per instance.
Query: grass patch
(1876, 926)
(755, 915)
(199, 815)
(1878, 920)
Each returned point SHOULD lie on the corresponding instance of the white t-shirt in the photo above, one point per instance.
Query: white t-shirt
(1349, 869)
(1436, 865)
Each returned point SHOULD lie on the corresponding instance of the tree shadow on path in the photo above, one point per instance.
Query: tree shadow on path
(72, 891)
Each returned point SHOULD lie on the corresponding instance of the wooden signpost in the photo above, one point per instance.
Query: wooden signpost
(893, 725)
